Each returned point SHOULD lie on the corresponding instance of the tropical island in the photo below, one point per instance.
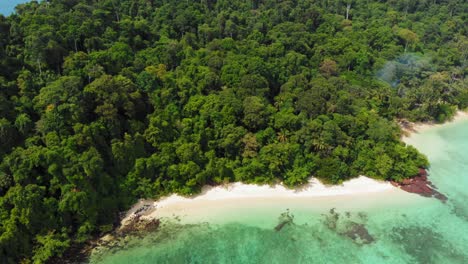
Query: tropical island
(106, 102)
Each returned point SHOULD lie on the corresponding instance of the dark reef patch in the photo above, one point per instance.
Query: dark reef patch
(285, 219)
(426, 246)
(351, 226)
(358, 233)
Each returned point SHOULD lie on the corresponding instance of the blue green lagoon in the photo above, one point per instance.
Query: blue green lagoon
(390, 226)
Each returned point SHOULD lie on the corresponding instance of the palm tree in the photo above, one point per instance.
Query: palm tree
(282, 136)
(318, 144)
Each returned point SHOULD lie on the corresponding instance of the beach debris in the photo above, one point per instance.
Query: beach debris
(143, 208)
(421, 185)
(284, 219)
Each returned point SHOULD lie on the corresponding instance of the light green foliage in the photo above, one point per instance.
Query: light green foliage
(255, 113)
(49, 246)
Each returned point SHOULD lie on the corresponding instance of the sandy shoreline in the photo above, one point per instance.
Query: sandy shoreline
(235, 196)
(248, 199)
(410, 128)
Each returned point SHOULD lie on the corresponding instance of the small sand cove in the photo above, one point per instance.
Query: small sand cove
(410, 128)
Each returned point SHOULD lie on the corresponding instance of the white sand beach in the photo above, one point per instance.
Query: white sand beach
(241, 201)
(423, 126)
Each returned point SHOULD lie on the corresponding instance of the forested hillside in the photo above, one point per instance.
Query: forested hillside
(104, 102)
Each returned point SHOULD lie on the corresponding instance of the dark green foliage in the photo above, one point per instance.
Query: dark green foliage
(105, 102)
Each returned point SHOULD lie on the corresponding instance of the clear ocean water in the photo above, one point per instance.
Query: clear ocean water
(365, 229)
(8, 6)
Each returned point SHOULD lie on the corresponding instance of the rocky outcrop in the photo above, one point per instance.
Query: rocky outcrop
(137, 225)
(134, 223)
(421, 185)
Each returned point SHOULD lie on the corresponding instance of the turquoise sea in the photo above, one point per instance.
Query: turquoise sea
(370, 229)
(8, 6)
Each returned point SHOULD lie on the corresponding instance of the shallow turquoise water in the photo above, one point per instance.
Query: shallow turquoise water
(418, 230)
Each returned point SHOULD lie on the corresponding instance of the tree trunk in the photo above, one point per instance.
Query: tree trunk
(348, 7)
(40, 69)
(116, 12)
